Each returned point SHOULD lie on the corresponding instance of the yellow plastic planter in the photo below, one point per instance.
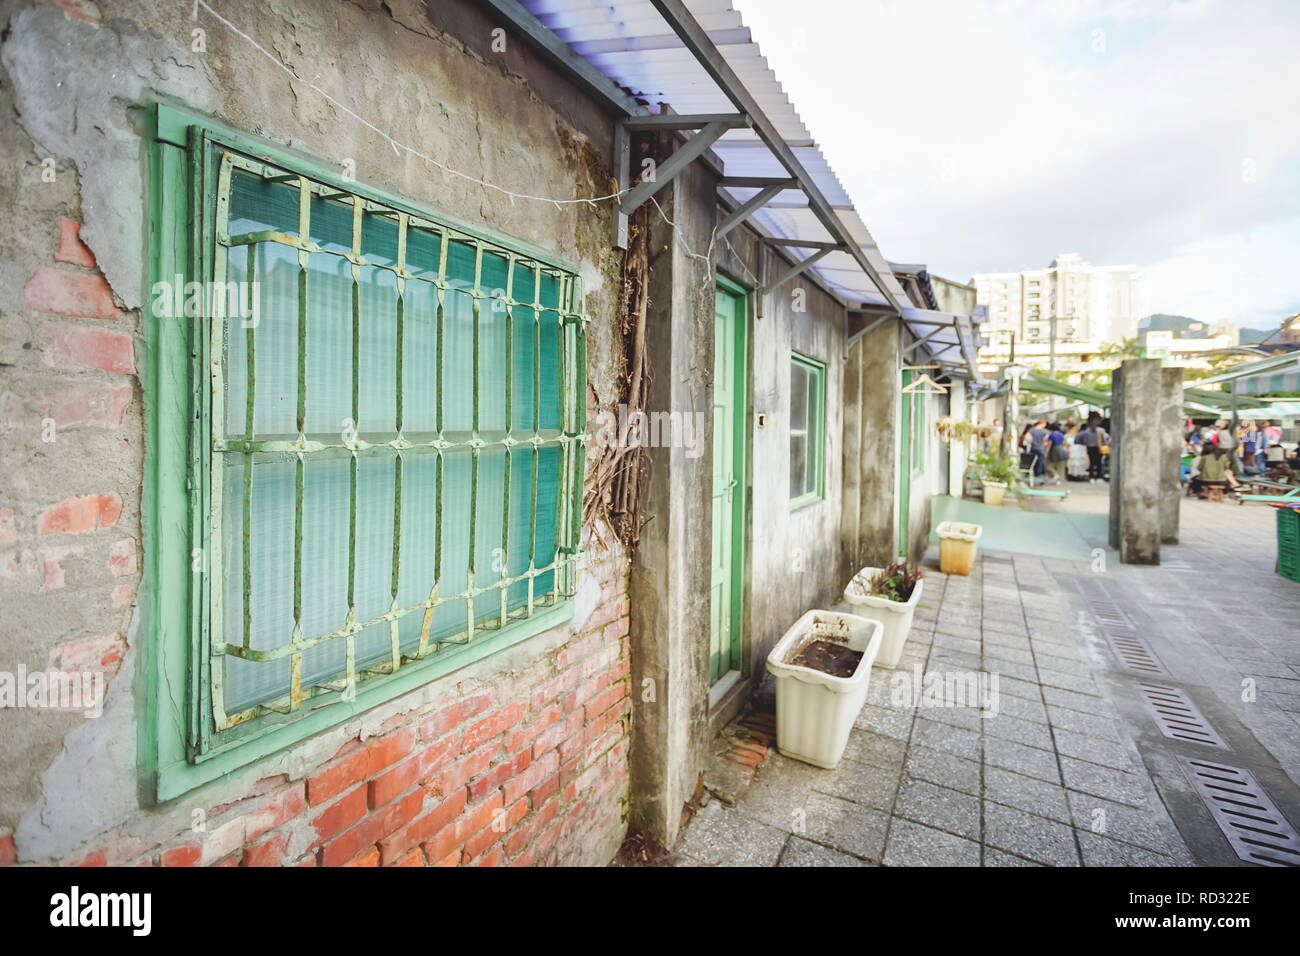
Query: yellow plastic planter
(958, 542)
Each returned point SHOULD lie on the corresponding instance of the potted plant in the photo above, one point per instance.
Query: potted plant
(888, 595)
(996, 473)
(822, 666)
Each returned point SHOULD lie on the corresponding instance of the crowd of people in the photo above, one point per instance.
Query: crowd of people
(1223, 455)
(1057, 452)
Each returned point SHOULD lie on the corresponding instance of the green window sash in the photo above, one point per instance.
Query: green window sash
(807, 430)
(385, 448)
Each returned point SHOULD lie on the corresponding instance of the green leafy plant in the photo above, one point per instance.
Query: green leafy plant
(991, 466)
(896, 582)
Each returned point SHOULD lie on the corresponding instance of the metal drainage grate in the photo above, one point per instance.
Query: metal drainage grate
(1135, 653)
(1257, 830)
(1110, 615)
(1176, 716)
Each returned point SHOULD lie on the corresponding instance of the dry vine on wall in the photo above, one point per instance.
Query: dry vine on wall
(621, 467)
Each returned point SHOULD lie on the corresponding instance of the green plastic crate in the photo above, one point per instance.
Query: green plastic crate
(1288, 543)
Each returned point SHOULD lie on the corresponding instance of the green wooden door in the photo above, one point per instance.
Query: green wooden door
(904, 461)
(728, 483)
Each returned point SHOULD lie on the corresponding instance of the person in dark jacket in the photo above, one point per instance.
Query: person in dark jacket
(1092, 437)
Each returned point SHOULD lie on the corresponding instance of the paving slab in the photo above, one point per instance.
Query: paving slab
(913, 844)
(940, 807)
(1027, 794)
(1028, 835)
(801, 852)
(1070, 770)
(721, 837)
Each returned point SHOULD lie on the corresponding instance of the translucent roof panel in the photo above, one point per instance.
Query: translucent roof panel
(630, 43)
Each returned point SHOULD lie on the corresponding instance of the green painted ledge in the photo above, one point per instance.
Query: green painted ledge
(1066, 535)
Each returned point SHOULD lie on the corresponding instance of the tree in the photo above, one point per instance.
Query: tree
(1109, 357)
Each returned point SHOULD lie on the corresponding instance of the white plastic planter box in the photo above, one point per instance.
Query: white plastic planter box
(814, 710)
(958, 542)
(895, 617)
(993, 491)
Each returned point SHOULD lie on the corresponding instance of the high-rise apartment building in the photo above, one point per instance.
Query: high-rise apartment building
(1089, 304)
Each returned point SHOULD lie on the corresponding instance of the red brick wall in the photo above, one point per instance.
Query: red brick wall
(528, 771)
(88, 359)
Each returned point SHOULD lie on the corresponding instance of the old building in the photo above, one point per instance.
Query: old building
(421, 479)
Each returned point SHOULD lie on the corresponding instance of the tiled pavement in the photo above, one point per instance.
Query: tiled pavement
(1066, 772)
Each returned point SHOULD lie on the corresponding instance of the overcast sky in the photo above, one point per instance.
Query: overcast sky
(982, 136)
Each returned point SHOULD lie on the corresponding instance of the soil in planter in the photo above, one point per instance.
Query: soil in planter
(838, 660)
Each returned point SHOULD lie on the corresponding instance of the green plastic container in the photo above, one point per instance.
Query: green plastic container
(1288, 543)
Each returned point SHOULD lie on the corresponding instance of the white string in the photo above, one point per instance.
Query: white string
(397, 146)
(736, 255)
(706, 257)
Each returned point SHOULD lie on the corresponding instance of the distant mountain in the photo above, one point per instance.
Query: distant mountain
(1162, 322)
(1249, 336)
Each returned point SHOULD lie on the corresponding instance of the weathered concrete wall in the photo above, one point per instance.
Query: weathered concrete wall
(1136, 453)
(548, 719)
(952, 296)
(930, 480)
(877, 356)
(957, 452)
(670, 577)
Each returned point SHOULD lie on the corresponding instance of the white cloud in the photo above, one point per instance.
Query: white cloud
(981, 136)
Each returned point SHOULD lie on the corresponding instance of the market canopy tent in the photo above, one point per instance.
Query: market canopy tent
(1198, 402)
(1277, 373)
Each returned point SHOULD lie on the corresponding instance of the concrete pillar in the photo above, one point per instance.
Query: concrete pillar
(878, 357)
(1171, 451)
(1137, 450)
(671, 569)
(958, 451)
(851, 456)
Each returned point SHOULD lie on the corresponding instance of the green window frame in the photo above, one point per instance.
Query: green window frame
(333, 565)
(807, 430)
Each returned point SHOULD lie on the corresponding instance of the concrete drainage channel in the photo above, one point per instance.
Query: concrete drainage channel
(1256, 828)
(1257, 831)
(1177, 715)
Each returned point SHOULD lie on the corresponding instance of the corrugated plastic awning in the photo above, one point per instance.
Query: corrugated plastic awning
(634, 46)
(711, 65)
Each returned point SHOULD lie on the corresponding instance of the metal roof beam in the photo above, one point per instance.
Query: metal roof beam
(803, 243)
(662, 122)
(558, 53)
(797, 268)
(756, 182)
(697, 41)
(865, 331)
(748, 208)
(682, 157)
(907, 349)
(929, 316)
